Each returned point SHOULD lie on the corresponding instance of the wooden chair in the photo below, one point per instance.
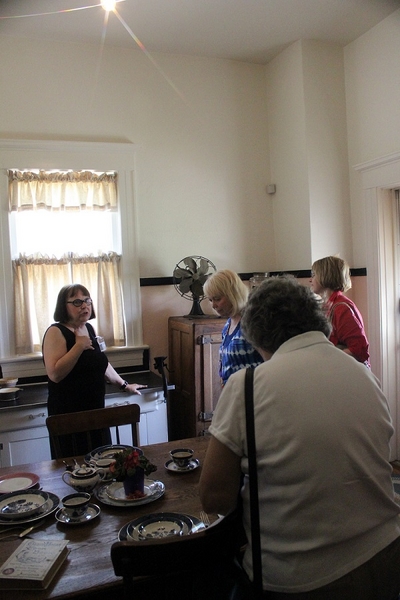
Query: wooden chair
(187, 567)
(91, 425)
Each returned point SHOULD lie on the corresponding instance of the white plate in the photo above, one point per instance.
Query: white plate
(91, 513)
(22, 505)
(17, 482)
(157, 525)
(171, 466)
(156, 489)
(105, 452)
(48, 507)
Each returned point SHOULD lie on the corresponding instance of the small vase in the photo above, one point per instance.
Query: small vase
(134, 483)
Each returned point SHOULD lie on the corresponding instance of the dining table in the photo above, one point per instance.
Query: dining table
(88, 573)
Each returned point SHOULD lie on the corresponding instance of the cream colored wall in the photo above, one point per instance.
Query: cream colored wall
(158, 304)
(326, 147)
(206, 150)
(201, 127)
(308, 145)
(372, 75)
(289, 168)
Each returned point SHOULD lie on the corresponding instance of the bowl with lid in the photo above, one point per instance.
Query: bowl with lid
(9, 393)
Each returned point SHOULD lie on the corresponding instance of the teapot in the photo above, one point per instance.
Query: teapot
(84, 478)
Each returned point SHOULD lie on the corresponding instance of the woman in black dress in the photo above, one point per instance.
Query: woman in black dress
(76, 368)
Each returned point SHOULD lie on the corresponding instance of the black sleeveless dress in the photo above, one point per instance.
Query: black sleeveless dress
(82, 389)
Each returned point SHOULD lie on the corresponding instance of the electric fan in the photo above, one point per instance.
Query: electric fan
(190, 274)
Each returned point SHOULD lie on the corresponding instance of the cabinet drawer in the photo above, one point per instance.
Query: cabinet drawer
(23, 419)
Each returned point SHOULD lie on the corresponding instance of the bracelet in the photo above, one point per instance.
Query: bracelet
(123, 386)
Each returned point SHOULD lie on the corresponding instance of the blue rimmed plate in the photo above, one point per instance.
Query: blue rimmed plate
(47, 509)
(109, 451)
(157, 525)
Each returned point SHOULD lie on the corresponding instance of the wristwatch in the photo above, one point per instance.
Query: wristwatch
(123, 386)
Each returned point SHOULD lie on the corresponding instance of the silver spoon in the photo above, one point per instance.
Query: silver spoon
(24, 532)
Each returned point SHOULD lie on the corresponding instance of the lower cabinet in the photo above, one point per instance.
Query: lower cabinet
(153, 427)
(23, 437)
(193, 364)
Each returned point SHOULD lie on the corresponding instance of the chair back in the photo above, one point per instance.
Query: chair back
(178, 566)
(98, 420)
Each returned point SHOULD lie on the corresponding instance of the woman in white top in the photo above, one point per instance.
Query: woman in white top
(330, 525)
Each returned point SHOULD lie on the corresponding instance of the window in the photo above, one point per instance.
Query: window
(84, 156)
(55, 241)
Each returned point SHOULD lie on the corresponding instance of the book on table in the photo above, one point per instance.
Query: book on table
(33, 564)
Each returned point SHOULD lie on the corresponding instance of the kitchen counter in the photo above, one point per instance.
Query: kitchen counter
(35, 394)
(23, 430)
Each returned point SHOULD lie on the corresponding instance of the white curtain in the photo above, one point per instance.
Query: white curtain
(38, 278)
(62, 190)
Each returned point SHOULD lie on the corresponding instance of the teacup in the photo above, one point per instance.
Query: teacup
(182, 457)
(75, 505)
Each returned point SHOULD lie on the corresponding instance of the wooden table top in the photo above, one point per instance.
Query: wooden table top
(88, 569)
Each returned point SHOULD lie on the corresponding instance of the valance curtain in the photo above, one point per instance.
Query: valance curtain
(66, 190)
(39, 278)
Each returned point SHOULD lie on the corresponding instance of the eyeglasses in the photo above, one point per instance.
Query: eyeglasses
(78, 303)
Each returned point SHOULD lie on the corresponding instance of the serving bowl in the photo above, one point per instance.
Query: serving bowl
(9, 393)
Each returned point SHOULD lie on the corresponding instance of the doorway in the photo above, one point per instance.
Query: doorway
(380, 178)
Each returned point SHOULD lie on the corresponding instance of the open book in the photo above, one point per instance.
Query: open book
(33, 564)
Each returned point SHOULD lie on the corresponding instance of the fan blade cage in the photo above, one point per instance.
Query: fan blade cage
(190, 275)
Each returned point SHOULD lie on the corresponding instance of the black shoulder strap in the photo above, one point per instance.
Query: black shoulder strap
(253, 481)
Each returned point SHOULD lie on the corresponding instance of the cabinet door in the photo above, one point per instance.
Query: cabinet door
(24, 446)
(209, 387)
(181, 404)
(194, 370)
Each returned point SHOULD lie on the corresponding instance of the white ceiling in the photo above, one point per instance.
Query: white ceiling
(246, 30)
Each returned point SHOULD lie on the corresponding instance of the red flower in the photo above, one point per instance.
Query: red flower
(127, 461)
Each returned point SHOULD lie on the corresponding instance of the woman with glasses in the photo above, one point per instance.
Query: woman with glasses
(77, 370)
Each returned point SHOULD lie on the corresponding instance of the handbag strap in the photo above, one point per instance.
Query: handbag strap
(253, 481)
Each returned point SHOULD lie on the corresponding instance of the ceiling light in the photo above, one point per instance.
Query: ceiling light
(108, 5)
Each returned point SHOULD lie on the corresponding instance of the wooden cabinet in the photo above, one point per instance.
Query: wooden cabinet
(193, 364)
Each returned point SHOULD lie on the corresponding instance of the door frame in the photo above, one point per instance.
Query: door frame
(379, 178)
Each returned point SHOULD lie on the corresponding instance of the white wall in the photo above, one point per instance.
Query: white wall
(308, 147)
(325, 116)
(289, 165)
(372, 76)
(201, 127)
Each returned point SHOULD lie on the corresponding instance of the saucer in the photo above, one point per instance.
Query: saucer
(92, 512)
(171, 466)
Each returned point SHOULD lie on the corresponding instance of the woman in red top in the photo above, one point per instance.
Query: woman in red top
(330, 278)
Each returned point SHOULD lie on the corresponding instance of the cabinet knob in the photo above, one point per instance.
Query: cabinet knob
(38, 416)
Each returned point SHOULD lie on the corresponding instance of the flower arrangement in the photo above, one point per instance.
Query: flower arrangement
(127, 461)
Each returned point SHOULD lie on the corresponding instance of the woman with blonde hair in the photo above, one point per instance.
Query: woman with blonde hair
(228, 296)
(330, 279)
